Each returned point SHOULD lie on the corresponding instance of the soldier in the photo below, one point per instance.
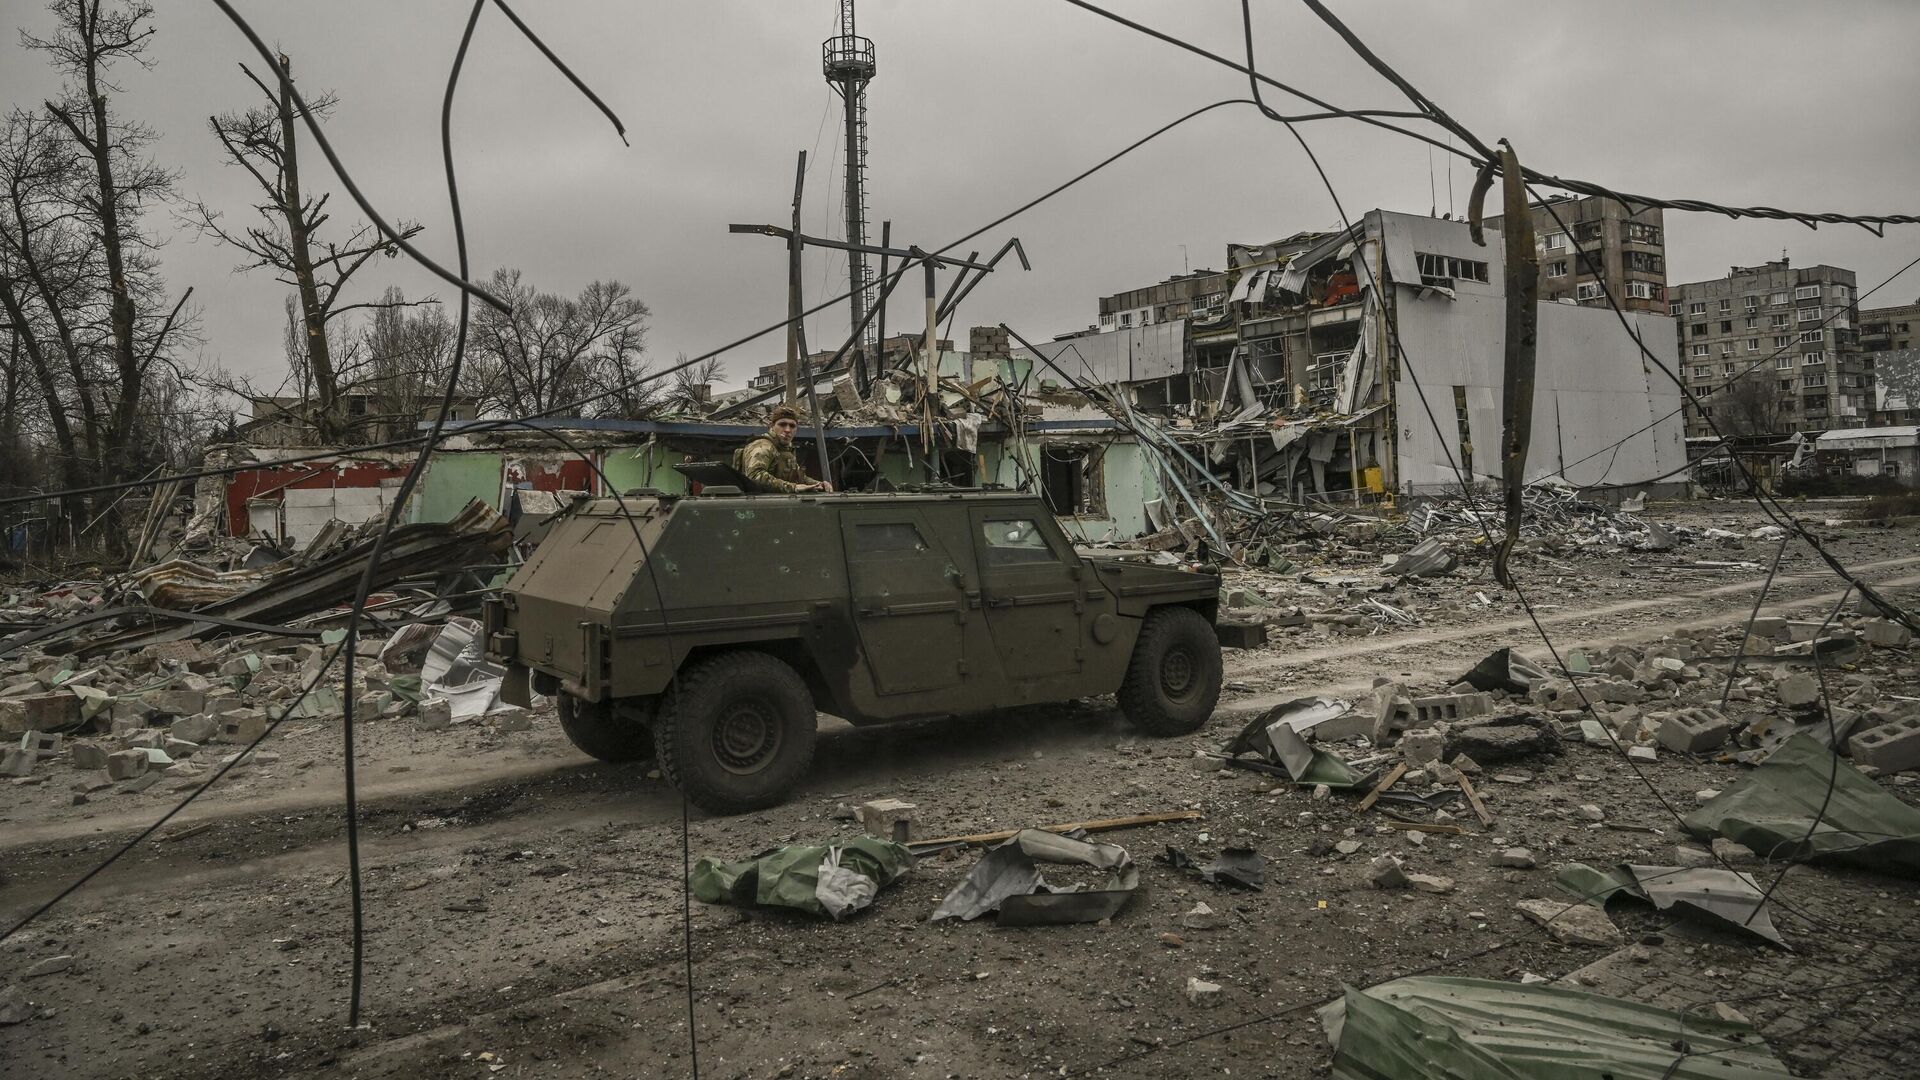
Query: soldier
(769, 462)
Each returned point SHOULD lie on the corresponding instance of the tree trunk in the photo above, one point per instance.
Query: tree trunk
(312, 315)
(117, 466)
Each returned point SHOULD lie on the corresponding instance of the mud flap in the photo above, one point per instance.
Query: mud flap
(516, 688)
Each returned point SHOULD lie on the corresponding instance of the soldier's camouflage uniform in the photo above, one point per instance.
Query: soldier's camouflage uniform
(772, 466)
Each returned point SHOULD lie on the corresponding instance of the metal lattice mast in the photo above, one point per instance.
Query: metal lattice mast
(847, 60)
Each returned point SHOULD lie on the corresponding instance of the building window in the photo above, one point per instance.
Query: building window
(1588, 290)
(1726, 349)
(1806, 292)
(1638, 233)
(1586, 232)
(1783, 341)
(1728, 369)
(1557, 269)
(1699, 350)
(1809, 314)
(1753, 322)
(1703, 371)
(1639, 290)
(1812, 335)
(1753, 303)
(1443, 270)
(1783, 363)
(1814, 378)
(1778, 299)
(1726, 306)
(1753, 344)
(1726, 326)
(1814, 358)
(1649, 264)
(1554, 241)
(1126, 319)
(1673, 308)
(1697, 308)
(1699, 329)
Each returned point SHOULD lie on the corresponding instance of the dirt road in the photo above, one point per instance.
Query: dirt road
(524, 909)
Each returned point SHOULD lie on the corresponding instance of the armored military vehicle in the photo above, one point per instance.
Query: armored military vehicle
(708, 631)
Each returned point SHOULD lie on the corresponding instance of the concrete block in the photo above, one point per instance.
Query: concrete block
(1518, 858)
(888, 819)
(1241, 635)
(1770, 626)
(1203, 994)
(38, 712)
(1431, 710)
(436, 713)
(194, 729)
(1614, 691)
(17, 762)
(1694, 731)
(1385, 872)
(87, 755)
(1887, 634)
(1892, 747)
(1803, 629)
(1642, 753)
(126, 764)
(1799, 691)
(179, 748)
(241, 727)
(1421, 747)
(175, 702)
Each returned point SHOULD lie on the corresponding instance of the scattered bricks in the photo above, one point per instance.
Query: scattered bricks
(175, 652)
(1615, 692)
(1201, 917)
(888, 819)
(1642, 753)
(41, 743)
(1694, 731)
(87, 755)
(511, 719)
(221, 704)
(1421, 747)
(131, 712)
(1203, 994)
(1385, 872)
(1431, 710)
(1769, 626)
(1430, 883)
(1887, 634)
(142, 739)
(1594, 733)
(158, 760)
(176, 702)
(194, 729)
(1392, 715)
(1890, 748)
(436, 713)
(1798, 691)
(180, 748)
(1518, 858)
(241, 727)
(126, 764)
(17, 762)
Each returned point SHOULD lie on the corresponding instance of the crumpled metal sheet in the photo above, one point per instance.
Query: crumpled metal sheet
(1240, 866)
(1435, 1028)
(1278, 736)
(1726, 894)
(1007, 880)
(1773, 810)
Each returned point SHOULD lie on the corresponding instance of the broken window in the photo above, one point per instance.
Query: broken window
(1814, 378)
(1779, 322)
(1557, 268)
(1806, 292)
(1699, 329)
(1640, 233)
(1323, 376)
(1554, 241)
(1813, 335)
(1726, 326)
(1063, 479)
(1815, 357)
(887, 538)
(1640, 290)
(1466, 431)
(1588, 290)
(1673, 307)
(1726, 306)
(1586, 232)
(1809, 314)
(1443, 270)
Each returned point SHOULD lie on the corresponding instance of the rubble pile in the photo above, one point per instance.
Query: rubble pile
(124, 678)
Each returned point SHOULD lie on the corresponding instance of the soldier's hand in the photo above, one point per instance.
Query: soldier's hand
(823, 486)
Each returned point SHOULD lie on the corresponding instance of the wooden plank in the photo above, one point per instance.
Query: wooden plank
(1098, 825)
(1379, 789)
(1473, 800)
(1427, 827)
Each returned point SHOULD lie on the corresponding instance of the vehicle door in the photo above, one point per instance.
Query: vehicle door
(1032, 588)
(908, 600)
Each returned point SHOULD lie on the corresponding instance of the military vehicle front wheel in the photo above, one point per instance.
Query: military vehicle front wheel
(1173, 679)
(598, 730)
(736, 732)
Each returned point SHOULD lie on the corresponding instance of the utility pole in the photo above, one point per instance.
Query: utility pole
(793, 286)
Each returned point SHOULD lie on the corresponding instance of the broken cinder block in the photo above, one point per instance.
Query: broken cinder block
(888, 819)
(1694, 731)
(1892, 747)
(126, 764)
(1448, 707)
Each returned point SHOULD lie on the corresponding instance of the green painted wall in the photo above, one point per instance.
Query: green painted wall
(644, 466)
(454, 479)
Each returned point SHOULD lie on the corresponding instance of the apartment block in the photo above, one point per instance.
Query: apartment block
(1774, 349)
(1888, 338)
(1583, 243)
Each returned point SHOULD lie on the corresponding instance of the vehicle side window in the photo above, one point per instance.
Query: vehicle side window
(1011, 541)
(888, 538)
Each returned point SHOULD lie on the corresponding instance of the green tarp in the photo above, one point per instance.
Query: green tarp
(1770, 809)
(1432, 1028)
(834, 880)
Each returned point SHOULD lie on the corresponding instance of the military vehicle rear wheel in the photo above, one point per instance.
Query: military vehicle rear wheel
(1173, 679)
(600, 731)
(736, 732)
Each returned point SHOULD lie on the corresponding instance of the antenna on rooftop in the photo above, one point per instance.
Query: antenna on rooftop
(847, 61)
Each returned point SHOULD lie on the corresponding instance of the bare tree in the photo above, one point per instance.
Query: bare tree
(115, 185)
(549, 351)
(692, 390)
(289, 239)
(1753, 405)
(408, 351)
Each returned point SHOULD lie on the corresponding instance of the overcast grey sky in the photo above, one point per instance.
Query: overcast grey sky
(980, 104)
